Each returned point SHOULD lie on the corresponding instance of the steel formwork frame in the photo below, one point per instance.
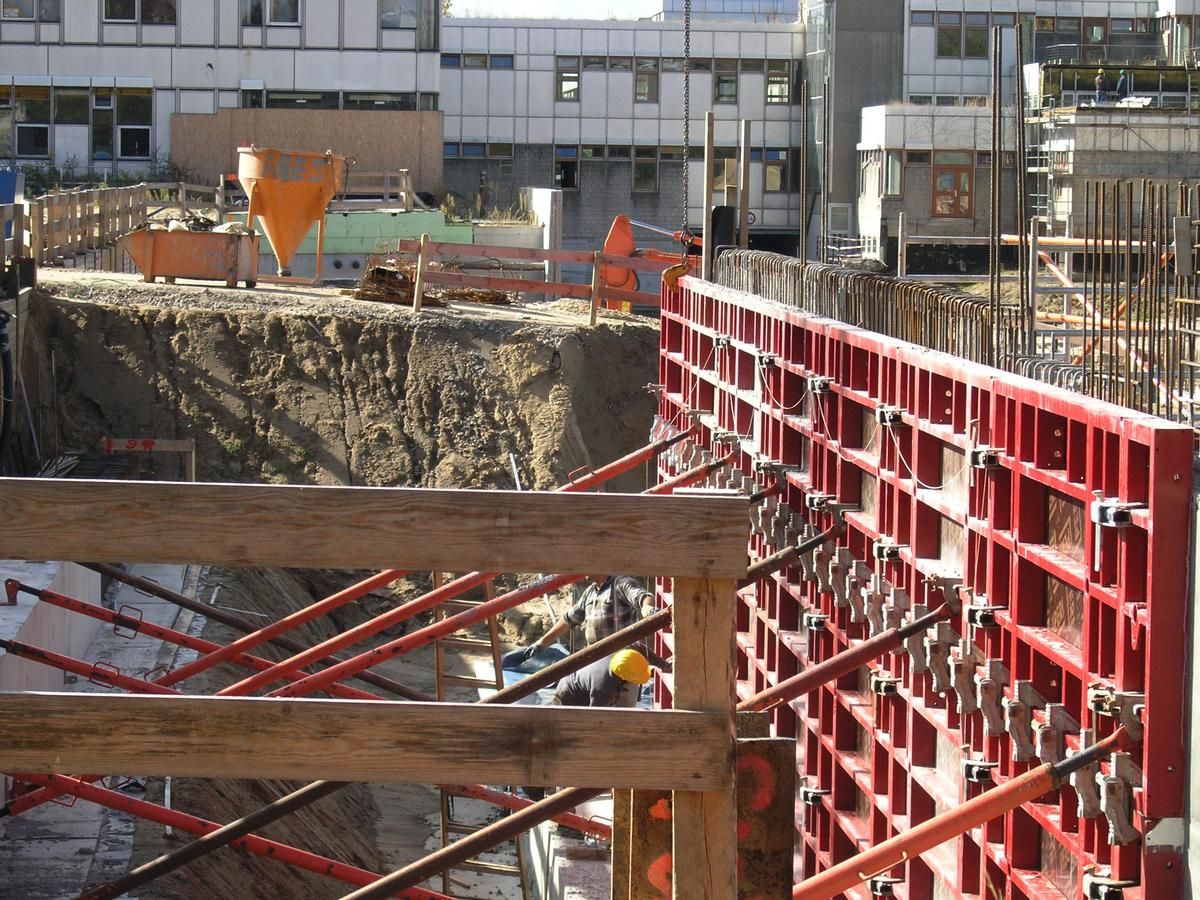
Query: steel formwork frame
(955, 477)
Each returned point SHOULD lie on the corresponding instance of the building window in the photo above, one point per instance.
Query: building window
(670, 154)
(500, 61)
(948, 100)
(474, 149)
(278, 12)
(134, 115)
(975, 36)
(72, 106)
(775, 170)
(151, 12)
(779, 81)
(398, 14)
(753, 65)
(619, 151)
(920, 99)
(645, 169)
(594, 63)
(949, 35)
(620, 63)
(450, 149)
(645, 81)
(592, 151)
(32, 116)
(568, 78)
(672, 64)
(721, 156)
(916, 158)
(252, 99)
(892, 185)
(400, 101)
(451, 60)
(41, 10)
(474, 60)
(102, 126)
(725, 81)
(500, 151)
(953, 184)
(566, 168)
(983, 159)
(921, 18)
(302, 99)
(428, 101)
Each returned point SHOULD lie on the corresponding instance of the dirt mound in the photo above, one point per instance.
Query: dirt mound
(326, 389)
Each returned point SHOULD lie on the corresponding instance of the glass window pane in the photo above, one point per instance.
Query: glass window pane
(593, 63)
(647, 65)
(568, 86)
(474, 60)
(645, 87)
(134, 108)
(6, 119)
(618, 151)
(943, 181)
(620, 63)
(428, 101)
(977, 19)
(135, 141)
(33, 140)
(725, 89)
(252, 12)
(50, 10)
(285, 12)
(752, 65)
(921, 18)
(952, 157)
(975, 43)
(779, 89)
(645, 176)
(568, 62)
(450, 149)
(949, 42)
(672, 64)
(158, 12)
(71, 106)
(451, 60)
(474, 149)
(398, 14)
(120, 10)
(501, 151)
(102, 134)
(501, 60)
(17, 9)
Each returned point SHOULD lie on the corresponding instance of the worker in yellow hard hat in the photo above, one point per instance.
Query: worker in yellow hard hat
(1102, 86)
(610, 682)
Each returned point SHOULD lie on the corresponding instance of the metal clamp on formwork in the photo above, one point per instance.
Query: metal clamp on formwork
(1087, 794)
(811, 796)
(814, 621)
(858, 585)
(937, 655)
(1124, 706)
(978, 772)
(819, 384)
(989, 694)
(883, 684)
(983, 457)
(1108, 512)
(1104, 887)
(1050, 737)
(656, 390)
(886, 550)
(1018, 719)
(883, 885)
(840, 569)
(1116, 797)
(823, 558)
(962, 675)
(874, 594)
(765, 360)
(889, 416)
(980, 615)
(895, 611)
(915, 644)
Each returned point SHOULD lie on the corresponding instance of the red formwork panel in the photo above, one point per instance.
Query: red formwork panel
(971, 481)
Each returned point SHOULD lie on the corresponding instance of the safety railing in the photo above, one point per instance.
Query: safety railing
(699, 542)
(65, 223)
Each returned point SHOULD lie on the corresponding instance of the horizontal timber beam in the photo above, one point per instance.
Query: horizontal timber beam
(369, 527)
(360, 740)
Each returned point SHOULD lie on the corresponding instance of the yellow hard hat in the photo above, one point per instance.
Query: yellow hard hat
(631, 666)
(1099, 71)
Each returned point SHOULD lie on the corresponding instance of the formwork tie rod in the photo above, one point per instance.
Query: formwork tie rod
(952, 823)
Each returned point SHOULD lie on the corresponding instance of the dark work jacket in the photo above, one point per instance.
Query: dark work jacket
(595, 685)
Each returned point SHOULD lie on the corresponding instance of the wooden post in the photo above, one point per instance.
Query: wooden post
(650, 852)
(622, 800)
(706, 200)
(183, 204)
(901, 249)
(766, 804)
(320, 248)
(190, 456)
(744, 187)
(419, 284)
(704, 835)
(595, 311)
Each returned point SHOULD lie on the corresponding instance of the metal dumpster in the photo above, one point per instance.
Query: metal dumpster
(194, 254)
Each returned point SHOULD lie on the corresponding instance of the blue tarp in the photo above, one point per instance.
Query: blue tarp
(12, 188)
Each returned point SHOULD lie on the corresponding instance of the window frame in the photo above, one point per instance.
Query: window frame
(725, 73)
(37, 14)
(959, 170)
(507, 61)
(644, 157)
(775, 80)
(413, 27)
(566, 160)
(567, 70)
(645, 72)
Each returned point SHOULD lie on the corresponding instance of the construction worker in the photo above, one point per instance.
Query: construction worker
(1123, 86)
(611, 682)
(608, 604)
(1101, 86)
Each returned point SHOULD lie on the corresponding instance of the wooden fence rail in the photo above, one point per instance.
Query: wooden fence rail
(65, 223)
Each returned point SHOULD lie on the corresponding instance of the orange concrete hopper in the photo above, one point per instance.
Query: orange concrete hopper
(288, 191)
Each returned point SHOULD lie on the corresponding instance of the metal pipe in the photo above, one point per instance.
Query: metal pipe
(471, 845)
(409, 642)
(237, 623)
(211, 841)
(506, 800)
(836, 666)
(954, 822)
(143, 809)
(433, 598)
(94, 672)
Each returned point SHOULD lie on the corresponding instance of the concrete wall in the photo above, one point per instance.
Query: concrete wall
(378, 141)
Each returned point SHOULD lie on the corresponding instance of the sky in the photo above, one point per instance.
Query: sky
(555, 9)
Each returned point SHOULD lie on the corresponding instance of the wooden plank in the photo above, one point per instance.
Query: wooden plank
(445, 249)
(650, 860)
(362, 740)
(621, 826)
(499, 283)
(766, 805)
(704, 839)
(367, 527)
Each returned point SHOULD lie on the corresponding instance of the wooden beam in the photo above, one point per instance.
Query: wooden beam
(362, 740)
(621, 828)
(704, 847)
(379, 528)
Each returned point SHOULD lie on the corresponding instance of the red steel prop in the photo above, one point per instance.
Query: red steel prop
(950, 824)
(285, 853)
